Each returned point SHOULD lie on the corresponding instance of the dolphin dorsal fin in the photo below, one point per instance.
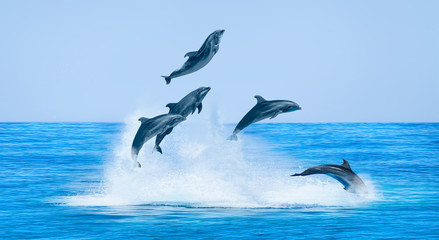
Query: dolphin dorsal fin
(171, 106)
(191, 54)
(346, 164)
(260, 99)
(143, 119)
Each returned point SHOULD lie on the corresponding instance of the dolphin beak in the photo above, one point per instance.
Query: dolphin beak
(222, 31)
(205, 90)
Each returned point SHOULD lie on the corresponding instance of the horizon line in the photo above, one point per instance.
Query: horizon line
(2, 122)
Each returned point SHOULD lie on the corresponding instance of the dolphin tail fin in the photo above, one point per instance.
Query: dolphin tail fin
(134, 154)
(168, 79)
(158, 149)
(233, 137)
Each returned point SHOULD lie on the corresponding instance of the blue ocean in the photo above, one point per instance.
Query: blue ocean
(77, 181)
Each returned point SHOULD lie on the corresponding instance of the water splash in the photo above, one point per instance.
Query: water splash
(200, 168)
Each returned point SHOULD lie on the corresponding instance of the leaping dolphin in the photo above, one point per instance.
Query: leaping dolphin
(184, 107)
(262, 110)
(342, 173)
(200, 58)
(151, 127)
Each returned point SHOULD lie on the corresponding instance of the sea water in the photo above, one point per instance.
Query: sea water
(78, 181)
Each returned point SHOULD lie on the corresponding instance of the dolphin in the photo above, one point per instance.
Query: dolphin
(151, 127)
(262, 110)
(184, 107)
(200, 58)
(342, 173)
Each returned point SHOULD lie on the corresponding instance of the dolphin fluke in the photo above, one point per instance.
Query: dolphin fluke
(134, 157)
(233, 137)
(134, 154)
(168, 79)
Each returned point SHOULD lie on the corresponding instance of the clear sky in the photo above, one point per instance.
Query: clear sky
(341, 61)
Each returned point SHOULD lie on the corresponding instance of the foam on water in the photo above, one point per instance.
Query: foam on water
(200, 168)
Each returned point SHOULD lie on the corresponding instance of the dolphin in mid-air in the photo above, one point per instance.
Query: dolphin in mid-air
(200, 58)
(184, 107)
(342, 173)
(151, 127)
(262, 110)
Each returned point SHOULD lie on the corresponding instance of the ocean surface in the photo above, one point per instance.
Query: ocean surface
(77, 181)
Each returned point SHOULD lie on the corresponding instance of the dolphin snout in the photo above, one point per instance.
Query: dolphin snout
(204, 91)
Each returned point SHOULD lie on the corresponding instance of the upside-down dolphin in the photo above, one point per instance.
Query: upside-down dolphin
(342, 173)
(184, 107)
(200, 58)
(262, 110)
(151, 127)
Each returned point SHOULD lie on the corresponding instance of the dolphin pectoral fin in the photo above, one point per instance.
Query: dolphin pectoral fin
(275, 115)
(215, 49)
(139, 165)
(191, 54)
(158, 149)
(159, 138)
(168, 131)
(200, 106)
(194, 106)
(167, 79)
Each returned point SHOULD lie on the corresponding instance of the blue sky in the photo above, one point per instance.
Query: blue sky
(341, 61)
